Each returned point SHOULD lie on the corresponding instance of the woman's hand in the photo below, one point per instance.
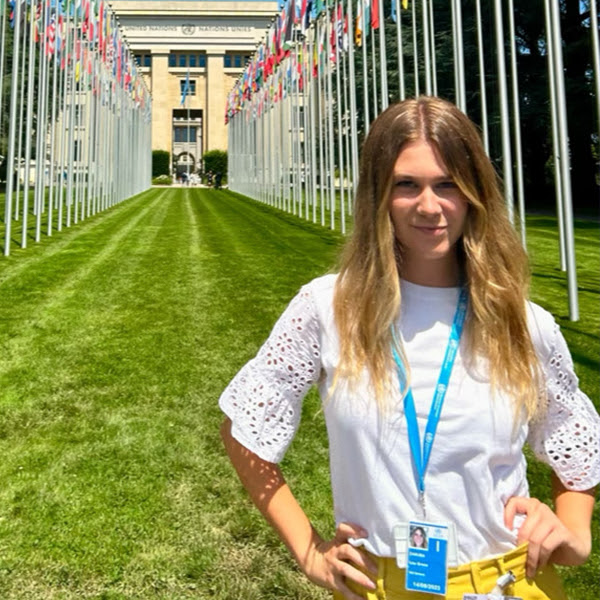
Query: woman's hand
(566, 542)
(331, 563)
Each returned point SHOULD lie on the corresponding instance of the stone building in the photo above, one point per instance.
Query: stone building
(191, 53)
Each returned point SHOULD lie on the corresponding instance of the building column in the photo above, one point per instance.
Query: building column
(216, 133)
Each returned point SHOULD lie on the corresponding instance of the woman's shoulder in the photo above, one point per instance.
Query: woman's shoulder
(321, 287)
(542, 328)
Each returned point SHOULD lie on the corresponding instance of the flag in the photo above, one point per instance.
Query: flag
(358, 28)
(393, 13)
(186, 88)
(404, 4)
(290, 15)
(375, 14)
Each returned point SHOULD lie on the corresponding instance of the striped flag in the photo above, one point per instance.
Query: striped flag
(186, 88)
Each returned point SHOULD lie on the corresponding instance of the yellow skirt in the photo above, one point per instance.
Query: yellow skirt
(476, 578)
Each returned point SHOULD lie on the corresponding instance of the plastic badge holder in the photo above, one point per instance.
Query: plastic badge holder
(401, 544)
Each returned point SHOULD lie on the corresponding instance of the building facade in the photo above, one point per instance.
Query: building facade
(191, 53)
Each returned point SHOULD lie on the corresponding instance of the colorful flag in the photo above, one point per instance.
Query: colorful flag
(186, 88)
(358, 28)
(375, 14)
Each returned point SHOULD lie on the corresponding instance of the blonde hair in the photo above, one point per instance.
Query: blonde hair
(494, 264)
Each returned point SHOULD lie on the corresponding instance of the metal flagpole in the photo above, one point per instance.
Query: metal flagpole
(565, 161)
(432, 39)
(333, 198)
(385, 97)
(21, 109)
(374, 67)
(338, 57)
(517, 123)
(401, 88)
(555, 145)
(353, 125)
(426, 48)
(459, 60)
(53, 125)
(415, 46)
(595, 54)
(12, 126)
(504, 119)
(365, 33)
(482, 86)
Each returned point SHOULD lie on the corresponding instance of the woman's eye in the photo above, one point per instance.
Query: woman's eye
(447, 185)
(405, 183)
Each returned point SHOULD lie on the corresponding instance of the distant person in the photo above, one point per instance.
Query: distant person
(209, 178)
(427, 419)
(218, 179)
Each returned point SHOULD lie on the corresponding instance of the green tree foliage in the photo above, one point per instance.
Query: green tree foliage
(160, 162)
(215, 161)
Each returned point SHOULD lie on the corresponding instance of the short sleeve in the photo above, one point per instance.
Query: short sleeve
(264, 400)
(567, 436)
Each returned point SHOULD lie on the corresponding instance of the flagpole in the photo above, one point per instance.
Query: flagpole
(432, 39)
(426, 48)
(517, 123)
(459, 61)
(595, 55)
(415, 46)
(482, 85)
(401, 88)
(385, 97)
(555, 145)
(353, 109)
(12, 126)
(504, 118)
(365, 32)
(339, 128)
(565, 161)
(21, 110)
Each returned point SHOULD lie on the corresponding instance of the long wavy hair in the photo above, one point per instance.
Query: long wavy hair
(493, 262)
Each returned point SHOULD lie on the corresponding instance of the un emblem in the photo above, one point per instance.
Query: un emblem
(188, 29)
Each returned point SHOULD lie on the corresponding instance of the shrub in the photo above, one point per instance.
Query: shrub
(215, 161)
(160, 162)
(162, 180)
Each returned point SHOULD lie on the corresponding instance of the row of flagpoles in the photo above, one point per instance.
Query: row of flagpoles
(293, 116)
(75, 120)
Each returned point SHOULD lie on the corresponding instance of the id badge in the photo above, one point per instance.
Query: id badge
(427, 557)
(489, 597)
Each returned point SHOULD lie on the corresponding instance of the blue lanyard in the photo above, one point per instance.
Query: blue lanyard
(421, 455)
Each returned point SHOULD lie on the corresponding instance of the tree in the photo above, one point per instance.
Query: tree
(215, 161)
(160, 162)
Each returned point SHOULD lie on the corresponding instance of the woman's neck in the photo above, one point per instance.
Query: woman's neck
(432, 273)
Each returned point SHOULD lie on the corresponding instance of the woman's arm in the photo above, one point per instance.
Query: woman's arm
(326, 563)
(563, 536)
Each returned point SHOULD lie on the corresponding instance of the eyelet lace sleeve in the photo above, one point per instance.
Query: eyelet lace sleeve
(264, 399)
(567, 436)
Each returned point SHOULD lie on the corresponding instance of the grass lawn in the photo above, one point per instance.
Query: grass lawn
(117, 337)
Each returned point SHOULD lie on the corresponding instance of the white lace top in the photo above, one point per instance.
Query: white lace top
(477, 460)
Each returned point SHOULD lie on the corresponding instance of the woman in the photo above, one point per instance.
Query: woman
(432, 250)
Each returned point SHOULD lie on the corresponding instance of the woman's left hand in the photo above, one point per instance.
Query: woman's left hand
(550, 539)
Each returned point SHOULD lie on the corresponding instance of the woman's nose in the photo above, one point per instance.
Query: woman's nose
(428, 203)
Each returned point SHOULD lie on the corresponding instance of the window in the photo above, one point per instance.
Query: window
(144, 58)
(190, 60)
(184, 134)
(76, 150)
(191, 90)
(236, 60)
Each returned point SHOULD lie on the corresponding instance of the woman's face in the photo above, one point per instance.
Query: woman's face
(417, 538)
(428, 212)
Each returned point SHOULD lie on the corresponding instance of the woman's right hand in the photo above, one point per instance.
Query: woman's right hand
(331, 564)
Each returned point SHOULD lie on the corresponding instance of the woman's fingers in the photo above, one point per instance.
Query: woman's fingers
(542, 529)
